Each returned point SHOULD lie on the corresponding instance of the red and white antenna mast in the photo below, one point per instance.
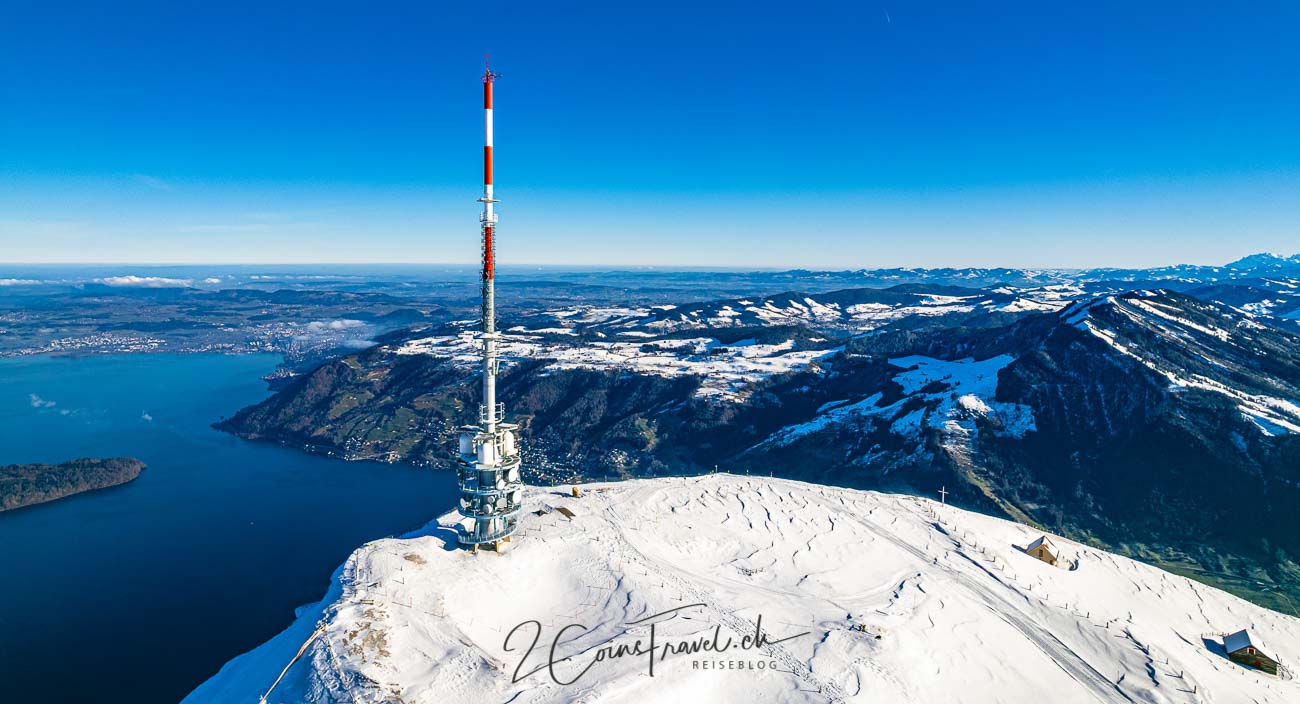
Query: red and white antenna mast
(491, 492)
(489, 224)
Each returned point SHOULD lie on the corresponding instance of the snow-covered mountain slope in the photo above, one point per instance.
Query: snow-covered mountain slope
(901, 600)
(1150, 421)
(725, 370)
(729, 345)
(848, 310)
(1201, 346)
(945, 396)
(853, 309)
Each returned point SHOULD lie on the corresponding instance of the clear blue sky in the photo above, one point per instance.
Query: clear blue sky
(809, 134)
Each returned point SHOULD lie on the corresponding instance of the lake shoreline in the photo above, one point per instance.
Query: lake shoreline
(202, 557)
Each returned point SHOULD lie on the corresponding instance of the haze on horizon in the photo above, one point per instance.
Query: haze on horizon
(827, 136)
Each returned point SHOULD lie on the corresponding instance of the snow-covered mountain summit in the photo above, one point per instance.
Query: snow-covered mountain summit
(858, 597)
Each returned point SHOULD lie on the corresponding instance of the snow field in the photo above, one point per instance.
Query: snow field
(903, 600)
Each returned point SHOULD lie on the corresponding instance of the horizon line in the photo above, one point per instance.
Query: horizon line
(621, 266)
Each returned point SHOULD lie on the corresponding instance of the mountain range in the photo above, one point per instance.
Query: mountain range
(1162, 423)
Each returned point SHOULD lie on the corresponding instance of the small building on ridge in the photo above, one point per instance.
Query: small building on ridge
(1045, 550)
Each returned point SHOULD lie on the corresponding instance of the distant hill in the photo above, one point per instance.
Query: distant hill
(27, 484)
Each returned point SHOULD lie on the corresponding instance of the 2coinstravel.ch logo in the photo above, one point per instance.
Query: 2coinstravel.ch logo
(568, 669)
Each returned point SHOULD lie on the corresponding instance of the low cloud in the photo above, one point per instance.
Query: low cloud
(144, 281)
(38, 402)
(343, 332)
(20, 282)
(212, 280)
(146, 417)
(335, 325)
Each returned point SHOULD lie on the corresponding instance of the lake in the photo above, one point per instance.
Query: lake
(140, 592)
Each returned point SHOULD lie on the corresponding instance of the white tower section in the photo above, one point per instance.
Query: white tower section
(491, 491)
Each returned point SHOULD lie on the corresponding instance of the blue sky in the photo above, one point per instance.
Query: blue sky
(809, 134)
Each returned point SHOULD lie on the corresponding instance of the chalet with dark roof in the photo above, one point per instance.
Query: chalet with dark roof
(1244, 648)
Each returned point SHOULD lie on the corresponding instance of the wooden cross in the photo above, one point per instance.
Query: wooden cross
(943, 495)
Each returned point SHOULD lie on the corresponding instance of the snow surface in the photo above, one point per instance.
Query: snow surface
(859, 317)
(724, 370)
(597, 314)
(1022, 305)
(968, 391)
(902, 600)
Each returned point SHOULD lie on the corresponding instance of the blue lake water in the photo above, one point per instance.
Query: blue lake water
(138, 593)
